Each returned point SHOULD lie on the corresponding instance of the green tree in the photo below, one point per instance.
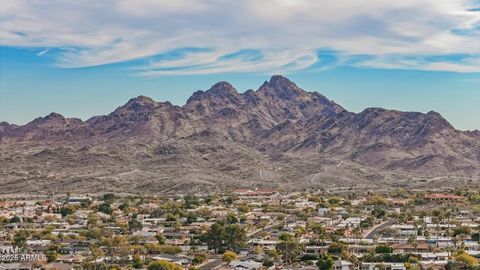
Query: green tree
(190, 201)
(258, 250)
(191, 217)
(466, 259)
(229, 256)
(92, 219)
(94, 266)
(85, 204)
(170, 249)
(116, 247)
(51, 255)
(163, 265)
(160, 238)
(379, 212)
(273, 253)
(383, 249)
(325, 262)
(231, 218)
(336, 248)
(137, 261)
(134, 225)
(96, 252)
(20, 239)
(427, 237)
(412, 240)
(317, 228)
(243, 208)
(367, 223)
(199, 258)
(289, 249)
(105, 208)
(171, 217)
(268, 263)
(215, 236)
(285, 237)
(65, 211)
(15, 219)
(462, 231)
(108, 198)
(235, 237)
(221, 236)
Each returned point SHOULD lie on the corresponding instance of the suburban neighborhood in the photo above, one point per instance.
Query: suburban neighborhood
(245, 229)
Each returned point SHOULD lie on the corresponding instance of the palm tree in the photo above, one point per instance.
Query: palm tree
(412, 240)
(289, 249)
(447, 213)
(357, 232)
(436, 220)
(427, 238)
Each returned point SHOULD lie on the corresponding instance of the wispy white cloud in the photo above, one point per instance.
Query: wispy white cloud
(269, 61)
(42, 52)
(286, 33)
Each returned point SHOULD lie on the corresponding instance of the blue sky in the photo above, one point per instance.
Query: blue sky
(87, 58)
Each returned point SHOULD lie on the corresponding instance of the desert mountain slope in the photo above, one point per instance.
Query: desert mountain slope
(276, 136)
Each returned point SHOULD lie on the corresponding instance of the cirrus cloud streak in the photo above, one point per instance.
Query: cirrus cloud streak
(213, 36)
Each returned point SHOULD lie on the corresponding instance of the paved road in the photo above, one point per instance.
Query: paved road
(215, 263)
(375, 229)
(267, 228)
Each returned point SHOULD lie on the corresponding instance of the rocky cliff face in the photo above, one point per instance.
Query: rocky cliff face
(278, 135)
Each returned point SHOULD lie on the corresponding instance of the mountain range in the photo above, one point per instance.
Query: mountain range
(277, 136)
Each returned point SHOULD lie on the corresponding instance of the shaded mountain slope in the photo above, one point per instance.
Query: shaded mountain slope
(278, 135)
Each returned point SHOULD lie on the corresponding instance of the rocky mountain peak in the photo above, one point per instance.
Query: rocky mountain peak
(52, 118)
(281, 87)
(221, 90)
(279, 80)
(142, 100)
(4, 126)
(52, 121)
(139, 103)
(221, 133)
(475, 132)
(222, 86)
(436, 119)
